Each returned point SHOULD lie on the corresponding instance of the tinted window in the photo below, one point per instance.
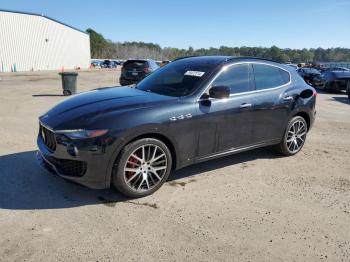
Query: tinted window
(235, 77)
(269, 76)
(285, 76)
(130, 64)
(311, 71)
(179, 78)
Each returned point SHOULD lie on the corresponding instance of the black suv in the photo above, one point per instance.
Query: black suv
(108, 64)
(336, 80)
(192, 110)
(134, 70)
(311, 76)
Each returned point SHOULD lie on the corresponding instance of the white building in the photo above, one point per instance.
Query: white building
(36, 42)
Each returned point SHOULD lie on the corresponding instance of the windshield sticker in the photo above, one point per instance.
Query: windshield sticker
(194, 73)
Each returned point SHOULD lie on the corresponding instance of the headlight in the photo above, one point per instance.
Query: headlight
(82, 133)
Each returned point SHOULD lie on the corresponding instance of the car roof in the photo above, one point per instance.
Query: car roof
(310, 69)
(341, 73)
(223, 59)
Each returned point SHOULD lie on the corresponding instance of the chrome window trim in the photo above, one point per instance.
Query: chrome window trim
(244, 93)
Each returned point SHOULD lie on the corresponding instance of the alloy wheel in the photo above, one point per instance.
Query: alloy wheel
(296, 136)
(145, 167)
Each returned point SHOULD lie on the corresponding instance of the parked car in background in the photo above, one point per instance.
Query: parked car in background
(325, 69)
(134, 70)
(165, 62)
(96, 64)
(193, 110)
(336, 80)
(293, 65)
(311, 76)
(108, 64)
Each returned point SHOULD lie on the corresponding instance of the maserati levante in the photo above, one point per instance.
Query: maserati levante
(192, 110)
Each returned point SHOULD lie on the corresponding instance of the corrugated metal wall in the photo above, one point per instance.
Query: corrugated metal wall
(30, 42)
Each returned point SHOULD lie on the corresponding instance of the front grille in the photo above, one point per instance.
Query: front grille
(67, 167)
(48, 137)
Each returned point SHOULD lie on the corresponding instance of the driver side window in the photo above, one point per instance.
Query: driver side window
(235, 77)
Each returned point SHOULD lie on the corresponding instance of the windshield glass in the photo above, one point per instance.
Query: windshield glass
(311, 71)
(179, 78)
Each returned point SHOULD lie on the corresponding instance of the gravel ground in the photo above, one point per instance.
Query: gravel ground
(254, 206)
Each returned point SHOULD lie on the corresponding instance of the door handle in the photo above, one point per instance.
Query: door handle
(245, 105)
(288, 98)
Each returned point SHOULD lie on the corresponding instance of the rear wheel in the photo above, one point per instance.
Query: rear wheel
(294, 137)
(327, 87)
(66, 92)
(142, 167)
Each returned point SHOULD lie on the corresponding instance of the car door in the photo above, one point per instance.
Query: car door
(271, 102)
(224, 124)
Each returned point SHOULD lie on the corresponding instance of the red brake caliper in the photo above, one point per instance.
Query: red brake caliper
(132, 164)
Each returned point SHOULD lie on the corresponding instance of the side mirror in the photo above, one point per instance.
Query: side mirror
(219, 92)
(306, 93)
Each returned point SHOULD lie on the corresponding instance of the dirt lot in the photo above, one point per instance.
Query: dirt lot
(254, 206)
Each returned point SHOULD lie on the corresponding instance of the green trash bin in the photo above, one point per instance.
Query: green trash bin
(69, 83)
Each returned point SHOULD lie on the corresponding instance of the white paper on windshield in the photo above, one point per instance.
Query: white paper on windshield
(194, 73)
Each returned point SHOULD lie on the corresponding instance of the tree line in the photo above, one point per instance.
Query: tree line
(104, 48)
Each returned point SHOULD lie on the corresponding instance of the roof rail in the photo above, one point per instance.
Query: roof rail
(183, 57)
(253, 57)
(229, 58)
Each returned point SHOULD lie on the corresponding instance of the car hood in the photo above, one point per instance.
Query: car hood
(86, 107)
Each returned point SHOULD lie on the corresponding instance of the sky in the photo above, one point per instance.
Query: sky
(205, 23)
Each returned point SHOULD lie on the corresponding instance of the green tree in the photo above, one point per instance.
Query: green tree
(98, 43)
(102, 48)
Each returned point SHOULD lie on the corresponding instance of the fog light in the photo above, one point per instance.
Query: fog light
(76, 151)
(72, 150)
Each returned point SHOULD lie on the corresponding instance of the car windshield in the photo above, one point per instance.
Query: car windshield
(311, 71)
(179, 78)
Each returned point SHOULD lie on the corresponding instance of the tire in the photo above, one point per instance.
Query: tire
(66, 93)
(145, 157)
(348, 89)
(326, 87)
(291, 144)
(123, 82)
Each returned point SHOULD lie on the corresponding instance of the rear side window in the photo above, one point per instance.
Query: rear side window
(235, 77)
(267, 76)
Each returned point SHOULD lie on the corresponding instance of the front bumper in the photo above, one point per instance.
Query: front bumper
(88, 168)
(318, 83)
(125, 82)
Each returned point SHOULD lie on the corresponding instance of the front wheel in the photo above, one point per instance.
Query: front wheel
(142, 167)
(294, 137)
